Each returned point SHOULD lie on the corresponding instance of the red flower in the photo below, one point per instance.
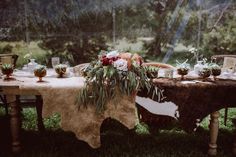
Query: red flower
(115, 58)
(106, 61)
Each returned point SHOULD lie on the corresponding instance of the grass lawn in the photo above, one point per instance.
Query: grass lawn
(117, 141)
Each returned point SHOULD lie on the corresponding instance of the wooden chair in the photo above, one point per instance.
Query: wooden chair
(220, 57)
(217, 59)
(25, 101)
(78, 69)
(13, 57)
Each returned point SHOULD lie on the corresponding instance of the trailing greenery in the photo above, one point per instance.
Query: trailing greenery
(104, 82)
(152, 71)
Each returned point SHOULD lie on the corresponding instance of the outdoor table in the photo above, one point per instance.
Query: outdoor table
(196, 99)
(59, 96)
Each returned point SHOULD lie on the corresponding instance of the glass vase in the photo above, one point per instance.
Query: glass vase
(32, 65)
(198, 67)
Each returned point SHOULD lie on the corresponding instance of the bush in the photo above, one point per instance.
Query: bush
(6, 49)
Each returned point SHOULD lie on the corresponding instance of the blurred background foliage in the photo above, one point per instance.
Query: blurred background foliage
(77, 30)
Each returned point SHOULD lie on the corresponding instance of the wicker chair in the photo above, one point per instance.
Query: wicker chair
(78, 69)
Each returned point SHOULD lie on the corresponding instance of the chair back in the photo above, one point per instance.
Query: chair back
(78, 69)
(228, 61)
(159, 65)
(8, 59)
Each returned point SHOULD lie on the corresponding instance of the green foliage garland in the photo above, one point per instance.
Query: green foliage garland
(103, 83)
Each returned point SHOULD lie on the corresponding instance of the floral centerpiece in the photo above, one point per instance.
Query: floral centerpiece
(112, 73)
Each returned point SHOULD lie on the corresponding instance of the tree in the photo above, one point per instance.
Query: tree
(221, 38)
(74, 28)
(166, 19)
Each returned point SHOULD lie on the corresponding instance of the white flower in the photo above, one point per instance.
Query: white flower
(112, 54)
(121, 64)
(193, 50)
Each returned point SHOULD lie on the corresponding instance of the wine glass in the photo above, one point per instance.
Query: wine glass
(182, 72)
(55, 61)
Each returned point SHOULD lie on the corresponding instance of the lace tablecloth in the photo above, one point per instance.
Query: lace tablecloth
(59, 96)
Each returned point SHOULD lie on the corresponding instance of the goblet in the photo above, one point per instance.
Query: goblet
(182, 72)
(204, 73)
(7, 69)
(60, 69)
(40, 72)
(215, 72)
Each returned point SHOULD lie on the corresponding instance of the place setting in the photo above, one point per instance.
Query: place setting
(35, 70)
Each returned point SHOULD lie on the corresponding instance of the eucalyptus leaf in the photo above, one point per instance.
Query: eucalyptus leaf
(103, 82)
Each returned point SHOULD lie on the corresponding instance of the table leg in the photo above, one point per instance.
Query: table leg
(214, 128)
(234, 144)
(234, 148)
(39, 107)
(15, 122)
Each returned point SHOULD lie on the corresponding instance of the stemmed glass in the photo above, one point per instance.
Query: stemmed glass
(182, 72)
(205, 73)
(215, 73)
(215, 70)
(55, 61)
